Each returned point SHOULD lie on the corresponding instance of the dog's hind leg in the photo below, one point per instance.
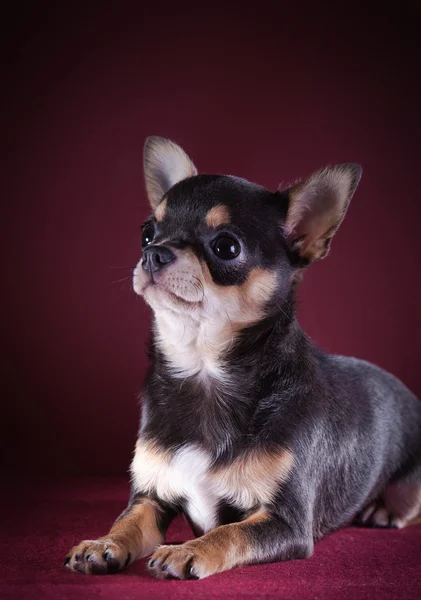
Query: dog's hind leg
(403, 502)
(398, 506)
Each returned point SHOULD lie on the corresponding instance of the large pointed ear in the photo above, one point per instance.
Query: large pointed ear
(165, 164)
(316, 208)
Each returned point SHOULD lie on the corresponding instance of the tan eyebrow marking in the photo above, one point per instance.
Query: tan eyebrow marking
(218, 215)
(161, 210)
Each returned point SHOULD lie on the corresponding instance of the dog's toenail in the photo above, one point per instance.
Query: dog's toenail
(113, 565)
(191, 574)
(77, 556)
(152, 563)
(164, 567)
(129, 556)
(88, 557)
(66, 561)
(106, 555)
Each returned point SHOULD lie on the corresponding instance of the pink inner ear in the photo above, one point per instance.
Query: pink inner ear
(314, 210)
(317, 207)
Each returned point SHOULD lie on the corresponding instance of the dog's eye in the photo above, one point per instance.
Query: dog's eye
(226, 247)
(148, 235)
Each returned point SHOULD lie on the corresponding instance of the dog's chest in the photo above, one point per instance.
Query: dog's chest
(184, 477)
(187, 477)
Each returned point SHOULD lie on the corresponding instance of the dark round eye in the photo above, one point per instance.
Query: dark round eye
(148, 235)
(226, 247)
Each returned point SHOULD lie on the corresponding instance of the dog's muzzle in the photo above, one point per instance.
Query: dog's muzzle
(156, 257)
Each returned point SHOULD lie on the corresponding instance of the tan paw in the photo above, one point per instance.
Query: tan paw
(98, 557)
(186, 561)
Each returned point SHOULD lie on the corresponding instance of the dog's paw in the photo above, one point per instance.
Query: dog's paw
(187, 561)
(376, 515)
(98, 557)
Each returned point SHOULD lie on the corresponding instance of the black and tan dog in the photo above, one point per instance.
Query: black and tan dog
(263, 441)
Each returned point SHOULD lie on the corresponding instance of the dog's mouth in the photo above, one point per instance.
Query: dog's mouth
(179, 288)
(159, 295)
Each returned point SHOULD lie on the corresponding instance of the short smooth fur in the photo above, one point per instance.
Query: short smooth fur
(262, 440)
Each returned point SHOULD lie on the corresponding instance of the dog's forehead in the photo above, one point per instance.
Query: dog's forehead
(208, 200)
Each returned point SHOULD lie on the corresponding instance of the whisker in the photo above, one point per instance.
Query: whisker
(123, 279)
(196, 287)
(123, 267)
(199, 284)
(263, 285)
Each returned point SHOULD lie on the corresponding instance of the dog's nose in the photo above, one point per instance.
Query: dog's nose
(155, 257)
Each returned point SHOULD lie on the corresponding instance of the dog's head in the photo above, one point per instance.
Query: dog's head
(219, 248)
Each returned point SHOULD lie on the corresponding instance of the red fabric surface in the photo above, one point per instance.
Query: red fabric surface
(42, 520)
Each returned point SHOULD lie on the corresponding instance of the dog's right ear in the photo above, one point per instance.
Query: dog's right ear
(165, 164)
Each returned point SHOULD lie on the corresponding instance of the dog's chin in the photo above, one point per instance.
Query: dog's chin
(161, 298)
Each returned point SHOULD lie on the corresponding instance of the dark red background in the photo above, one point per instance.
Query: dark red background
(266, 95)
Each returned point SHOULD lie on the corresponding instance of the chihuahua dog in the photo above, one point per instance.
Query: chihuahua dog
(263, 441)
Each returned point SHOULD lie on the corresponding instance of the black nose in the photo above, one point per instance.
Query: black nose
(155, 257)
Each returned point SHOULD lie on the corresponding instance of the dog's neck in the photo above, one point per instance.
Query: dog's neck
(215, 405)
(203, 347)
(193, 346)
(209, 347)
(213, 386)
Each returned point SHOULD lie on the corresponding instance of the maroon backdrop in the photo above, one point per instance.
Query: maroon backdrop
(266, 96)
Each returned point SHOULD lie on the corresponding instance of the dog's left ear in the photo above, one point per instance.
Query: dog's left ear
(316, 208)
(165, 164)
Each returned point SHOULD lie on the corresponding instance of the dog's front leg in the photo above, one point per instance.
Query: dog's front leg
(136, 533)
(259, 538)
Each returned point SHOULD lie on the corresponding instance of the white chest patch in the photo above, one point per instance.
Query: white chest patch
(183, 475)
(247, 482)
